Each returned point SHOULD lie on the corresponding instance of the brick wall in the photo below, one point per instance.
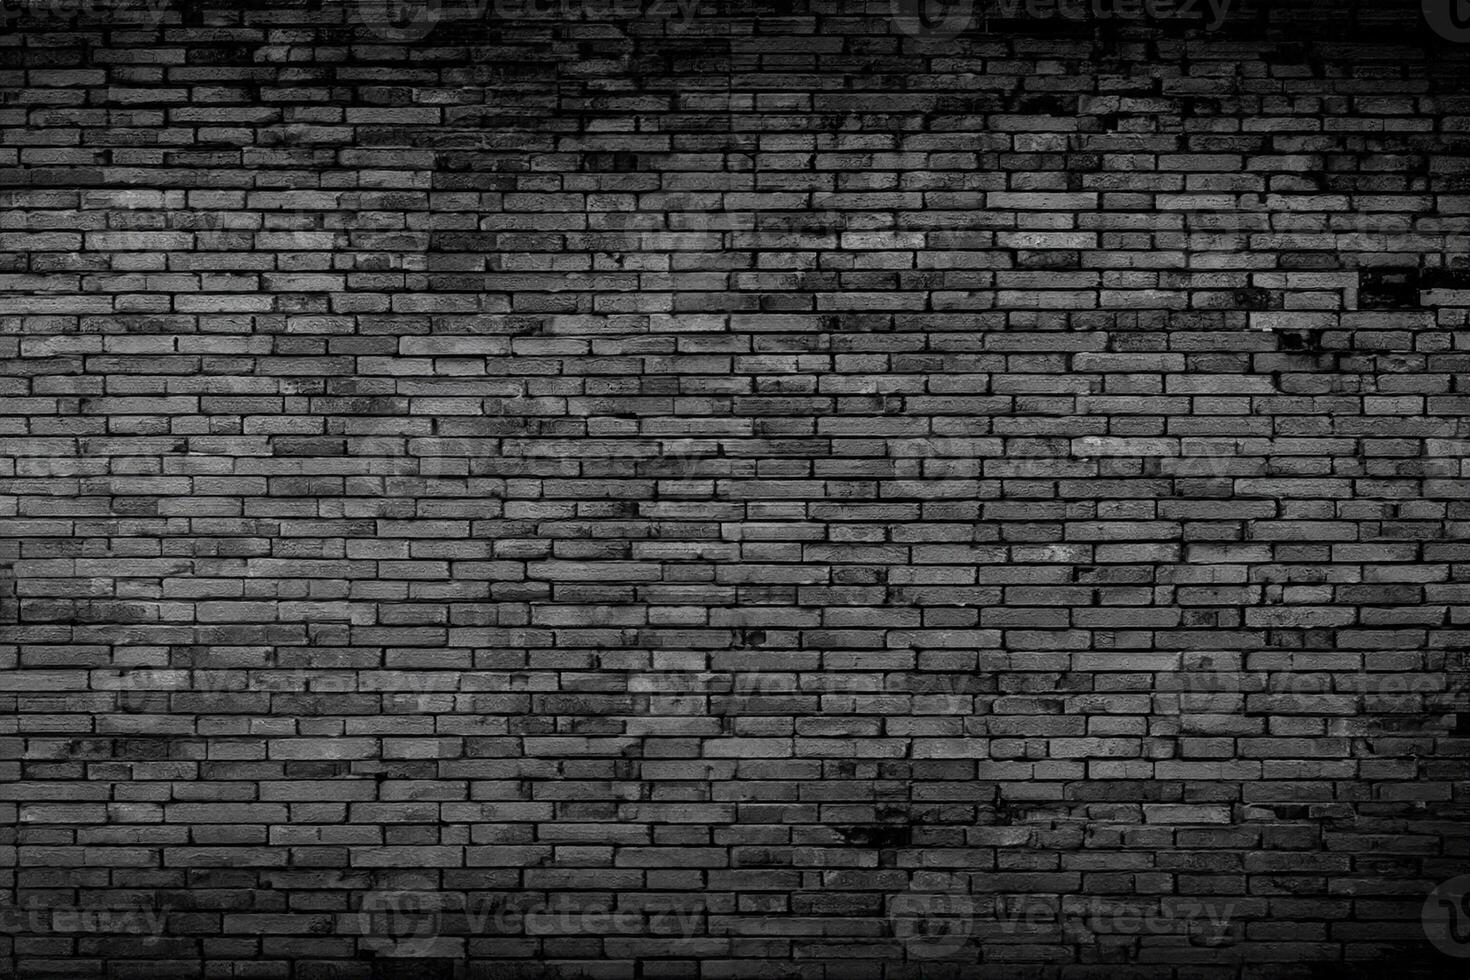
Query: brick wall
(661, 491)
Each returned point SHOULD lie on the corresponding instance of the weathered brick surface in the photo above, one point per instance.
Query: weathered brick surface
(663, 491)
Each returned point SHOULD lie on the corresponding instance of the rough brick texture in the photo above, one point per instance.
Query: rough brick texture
(606, 492)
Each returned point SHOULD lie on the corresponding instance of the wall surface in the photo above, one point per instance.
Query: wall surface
(591, 490)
